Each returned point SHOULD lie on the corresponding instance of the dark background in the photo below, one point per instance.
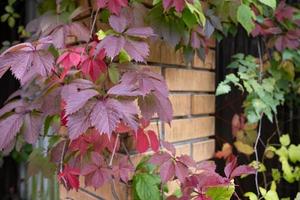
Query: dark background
(226, 106)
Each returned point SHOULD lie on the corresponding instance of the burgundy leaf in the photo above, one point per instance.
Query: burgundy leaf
(137, 50)
(78, 99)
(284, 11)
(242, 170)
(27, 60)
(160, 158)
(80, 144)
(79, 122)
(186, 160)
(9, 107)
(207, 166)
(144, 83)
(106, 115)
(114, 6)
(112, 45)
(32, 127)
(118, 23)
(230, 166)
(142, 32)
(167, 171)
(123, 169)
(96, 172)
(9, 127)
(169, 146)
(181, 171)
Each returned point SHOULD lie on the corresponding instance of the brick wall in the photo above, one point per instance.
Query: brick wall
(192, 95)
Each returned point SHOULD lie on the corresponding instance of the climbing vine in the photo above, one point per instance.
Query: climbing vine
(82, 89)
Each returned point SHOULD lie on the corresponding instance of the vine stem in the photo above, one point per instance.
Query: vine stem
(256, 155)
(127, 153)
(62, 156)
(114, 151)
(61, 162)
(112, 184)
(261, 117)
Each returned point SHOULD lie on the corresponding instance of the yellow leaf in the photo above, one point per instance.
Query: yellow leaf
(244, 148)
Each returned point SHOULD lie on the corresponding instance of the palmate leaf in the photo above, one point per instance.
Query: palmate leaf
(220, 192)
(106, 115)
(146, 187)
(245, 17)
(58, 29)
(27, 60)
(9, 127)
(96, 172)
(151, 89)
(114, 6)
(85, 111)
(126, 40)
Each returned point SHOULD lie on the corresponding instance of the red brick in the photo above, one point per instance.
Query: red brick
(203, 104)
(190, 80)
(203, 150)
(185, 129)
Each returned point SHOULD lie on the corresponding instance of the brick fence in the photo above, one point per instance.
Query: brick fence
(192, 95)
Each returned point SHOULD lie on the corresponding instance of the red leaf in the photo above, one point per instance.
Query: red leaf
(225, 152)
(142, 142)
(284, 11)
(153, 140)
(69, 177)
(123, 128)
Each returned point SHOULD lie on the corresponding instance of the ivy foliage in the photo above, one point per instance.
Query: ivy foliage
(263, 91)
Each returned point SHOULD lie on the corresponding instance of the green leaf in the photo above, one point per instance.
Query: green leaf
(9, 9)
(220, 193)
(11, 22)
(245, 17)
(196, 9)
(124, 57)
(156, 2)
(114, 74)
(294, 153)
(271, 3)
(101, 34)
(37, 162)
(146, 187)
(251, 196)
(263, 191)
(189, 19)
(276, 175)
(285, 140)
(244, 148)
(4, 17)
(298, 196)
(271, 195)
(223, 88)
